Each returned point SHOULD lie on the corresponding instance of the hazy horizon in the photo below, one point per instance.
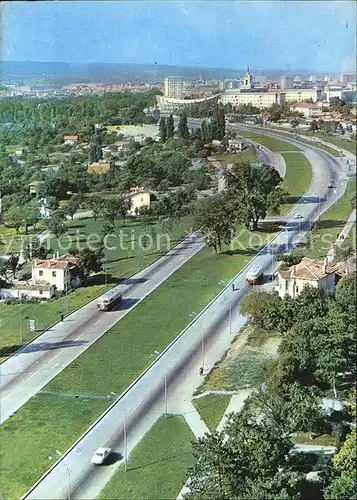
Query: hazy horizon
(285, 36)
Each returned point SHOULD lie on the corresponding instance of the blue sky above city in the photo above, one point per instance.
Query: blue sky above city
(278, 35)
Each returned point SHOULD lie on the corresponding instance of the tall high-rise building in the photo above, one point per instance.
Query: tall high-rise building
(346, 78)
(174, 86)
(287, 82)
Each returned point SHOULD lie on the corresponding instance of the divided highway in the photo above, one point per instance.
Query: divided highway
(32, 367)
(142, 403)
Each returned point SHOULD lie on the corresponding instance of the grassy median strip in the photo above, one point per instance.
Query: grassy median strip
(127, 349)
(340, 142)
(297, 179)
(45, 424)
(273, 144)
(330, 225)
(212, 408)
(123, 261)
(158, 466)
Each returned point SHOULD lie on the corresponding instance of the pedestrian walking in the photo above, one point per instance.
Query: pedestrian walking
(200, 371)
(233, 287)
(61, 316)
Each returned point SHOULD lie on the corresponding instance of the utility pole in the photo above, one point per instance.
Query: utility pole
(165, 384)
(230, 318)
(203, 349)
(125, 444)
(21, 324)
(66, 298)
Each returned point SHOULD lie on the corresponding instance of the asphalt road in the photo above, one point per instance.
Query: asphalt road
(141, 405)
(32, 367)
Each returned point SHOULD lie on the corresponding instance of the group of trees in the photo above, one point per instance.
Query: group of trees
(22, 214)
(215, 129)
(125, 106)
(252, 190)
(166, 128)
(253, 457)
(318, 331)
(330, 127)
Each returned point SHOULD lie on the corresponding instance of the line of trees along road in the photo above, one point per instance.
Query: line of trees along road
(252, 459)
(251, 192)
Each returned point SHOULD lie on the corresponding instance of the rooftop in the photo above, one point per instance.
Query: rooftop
(65, 261)
(309, 269)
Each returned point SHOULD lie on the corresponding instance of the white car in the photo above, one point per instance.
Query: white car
(298, 216)
(100, 456)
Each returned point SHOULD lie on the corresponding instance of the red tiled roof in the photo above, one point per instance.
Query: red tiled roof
(309, 269)
(64, 262)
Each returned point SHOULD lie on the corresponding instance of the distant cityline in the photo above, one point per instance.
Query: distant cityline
(100, 70)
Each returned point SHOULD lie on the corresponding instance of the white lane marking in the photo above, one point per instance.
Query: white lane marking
(54, 366)
(35, 373)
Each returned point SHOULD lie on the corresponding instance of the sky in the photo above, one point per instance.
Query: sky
(273, 35)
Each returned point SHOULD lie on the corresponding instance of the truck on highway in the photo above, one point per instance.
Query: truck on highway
(254, 276)
(110, 299)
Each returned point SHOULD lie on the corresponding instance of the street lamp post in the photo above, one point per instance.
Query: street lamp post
(192, 315)
(165, 384)
(125, 444)
(21, 326)
(224, 283)
(157, 353)
(68, 471)
(66, 298)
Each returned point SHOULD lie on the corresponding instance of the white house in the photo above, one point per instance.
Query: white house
(308, 109)
(71, 139)
(43, 212)
(309, 272)
(139, 197)
(27, 289)
(235, 145)
(57, 272)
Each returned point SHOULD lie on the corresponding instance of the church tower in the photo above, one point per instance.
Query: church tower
(247, 80)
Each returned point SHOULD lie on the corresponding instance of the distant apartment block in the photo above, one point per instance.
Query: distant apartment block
(347, 78)
(287, 82)
(174, 87)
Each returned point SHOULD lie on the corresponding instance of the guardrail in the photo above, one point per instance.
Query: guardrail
(168, 347)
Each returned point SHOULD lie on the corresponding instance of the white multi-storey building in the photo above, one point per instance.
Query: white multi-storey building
(174, 87)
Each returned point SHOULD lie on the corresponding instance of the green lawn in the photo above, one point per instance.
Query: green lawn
(328, 149)
(243, 369)
(246, 155)
(212, 408)
(297, 179)
(330, 225)
(13, 242)
(340, 142)
(157, 468)
(123, 262)
(272, 144)
(323, 440)
(21, 467)
(127, 347)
